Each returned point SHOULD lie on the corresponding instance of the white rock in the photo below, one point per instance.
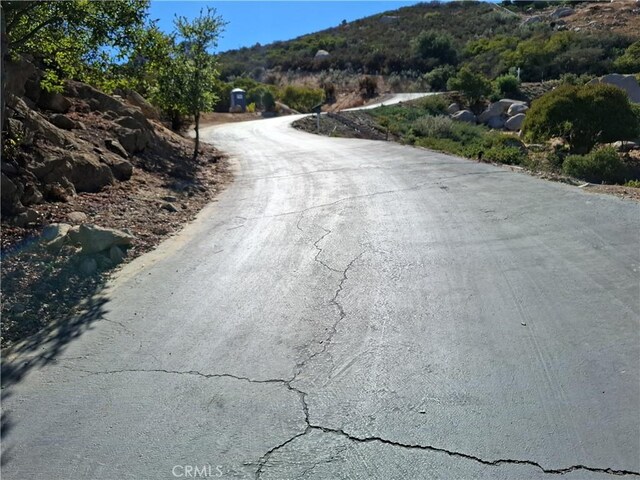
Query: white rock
(517, 108)
(515, 123)
(464, 116)
(96, 239)
(453, 108)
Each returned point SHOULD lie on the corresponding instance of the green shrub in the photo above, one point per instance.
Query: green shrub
(629, 62)
(302, 99)
(507, 86)
(474, 86)
(368, 87)
(582, 115)
(504, 154)
(434, 104)
(601, 165)
(439, 126)
(438, 77)
(633, 184)
(435, 46)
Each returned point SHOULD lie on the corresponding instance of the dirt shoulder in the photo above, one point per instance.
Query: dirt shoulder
(164, 189)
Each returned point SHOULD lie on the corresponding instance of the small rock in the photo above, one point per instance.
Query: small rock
(31, 195)
(73, 235)
(88, 266)
(56, 234)
(77, 217)
(170, 198)
(116, 147)
(116, 254)
(53, 231)
(25, 218)
(96, 239)
(169, 207)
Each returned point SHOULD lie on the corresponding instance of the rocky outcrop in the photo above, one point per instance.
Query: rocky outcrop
(137, 100)
(504, 114)
(11, 193)
(453, 108)
(54, 102)
(82, 169)
(561, 12)
(62, 121)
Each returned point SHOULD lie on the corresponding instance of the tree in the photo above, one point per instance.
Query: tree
(474, 86)
(67, 38)
(438, 46)
(582, 115)
(188, 83)
(368, 87)
(438, 77)
(629, 62)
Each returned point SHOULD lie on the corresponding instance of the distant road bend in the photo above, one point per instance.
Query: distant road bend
(352, 309)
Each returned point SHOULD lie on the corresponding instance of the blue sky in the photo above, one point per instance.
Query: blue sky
(264, 22)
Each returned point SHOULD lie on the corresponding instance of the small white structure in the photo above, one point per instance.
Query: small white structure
(321, 54)
(238, 101)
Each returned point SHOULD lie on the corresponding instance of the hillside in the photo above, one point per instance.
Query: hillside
(545, 40)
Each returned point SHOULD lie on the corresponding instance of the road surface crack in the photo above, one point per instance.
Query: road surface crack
(262, 462)
(466, 456)
(336, 303)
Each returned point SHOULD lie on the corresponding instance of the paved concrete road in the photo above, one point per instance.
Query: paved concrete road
(392, 99)
(352, 309)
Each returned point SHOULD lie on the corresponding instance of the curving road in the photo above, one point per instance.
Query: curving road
(352, 309)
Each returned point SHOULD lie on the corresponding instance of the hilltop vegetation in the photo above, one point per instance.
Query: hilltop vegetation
(491, 39)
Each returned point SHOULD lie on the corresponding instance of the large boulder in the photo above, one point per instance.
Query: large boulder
(54, 102)
(562, 12)
(137, 100)
(495, 122)
(100, 100)
(10, 193)
(115, 147)
(34, 122)
(82, 169)
(17, 77)
(133, 140)
(517, 108)
(496, 109)
(62, 121)
(515, 123)
(94, 239)
(532, 20)
(453, 108)
(121, 168)
(464, 116)
(628, 83)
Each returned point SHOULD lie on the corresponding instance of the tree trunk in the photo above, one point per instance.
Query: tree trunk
(3, 54)
(195, 150)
